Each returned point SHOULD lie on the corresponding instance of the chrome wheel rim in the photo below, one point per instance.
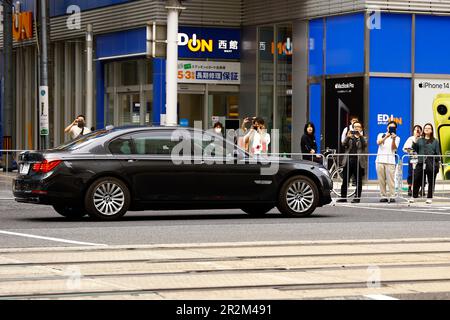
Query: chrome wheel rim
(300, 197)
(109, 199)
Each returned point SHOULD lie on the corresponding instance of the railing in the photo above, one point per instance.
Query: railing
(342, 170)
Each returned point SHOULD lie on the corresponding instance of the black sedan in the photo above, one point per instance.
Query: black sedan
(112, 171)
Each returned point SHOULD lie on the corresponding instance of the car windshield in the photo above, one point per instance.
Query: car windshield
(83, 140)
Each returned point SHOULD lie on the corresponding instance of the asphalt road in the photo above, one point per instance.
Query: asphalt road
(364, 221)
(34, 227)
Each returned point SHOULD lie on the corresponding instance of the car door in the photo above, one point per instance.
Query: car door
(227, 173)
(154, 176)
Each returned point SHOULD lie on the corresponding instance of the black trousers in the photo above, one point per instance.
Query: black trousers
(430, 172)
(352, 169)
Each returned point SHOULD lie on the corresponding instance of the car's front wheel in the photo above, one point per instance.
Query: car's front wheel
(299, 197)
(107, 199)
(257, 210)
(70, 211)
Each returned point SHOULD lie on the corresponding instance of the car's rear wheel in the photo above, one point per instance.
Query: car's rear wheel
(70, 211)
(299, 197)
(257, 210)
(107, 199)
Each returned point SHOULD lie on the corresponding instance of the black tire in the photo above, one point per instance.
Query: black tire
(110, 192)
(306, 195)
(71, 212)
(257, 210)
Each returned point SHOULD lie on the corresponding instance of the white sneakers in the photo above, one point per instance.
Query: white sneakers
(429, 201)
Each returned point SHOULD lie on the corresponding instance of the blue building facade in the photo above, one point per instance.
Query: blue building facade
(367, 64)
(389, 53)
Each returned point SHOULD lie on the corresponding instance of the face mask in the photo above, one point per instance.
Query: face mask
(218, 130)
(80, 124)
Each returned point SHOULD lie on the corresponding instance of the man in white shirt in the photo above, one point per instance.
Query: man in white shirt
(388, 144)
(77, 127)
(258, 139)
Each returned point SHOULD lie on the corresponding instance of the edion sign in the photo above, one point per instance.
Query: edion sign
(195, 44)
(385, 119)
(209, 43)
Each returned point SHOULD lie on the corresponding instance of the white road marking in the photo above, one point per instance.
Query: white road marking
(396, 209)
(51, 239)
(379, 297)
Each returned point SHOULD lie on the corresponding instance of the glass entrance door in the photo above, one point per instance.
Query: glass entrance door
(223, 107)
(190, 109)
(129, 109)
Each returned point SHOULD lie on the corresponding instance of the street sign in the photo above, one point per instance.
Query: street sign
(43, 111)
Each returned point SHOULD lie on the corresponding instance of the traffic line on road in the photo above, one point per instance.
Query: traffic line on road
(417, 210)
(25, 235)
(380, 297)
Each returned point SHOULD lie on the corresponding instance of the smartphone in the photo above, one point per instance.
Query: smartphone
(354, 132)
(392, 130)
(441, 112)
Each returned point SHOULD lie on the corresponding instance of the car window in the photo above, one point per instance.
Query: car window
(153, 143)
(214, 146)
(83, 141)
(121, 145)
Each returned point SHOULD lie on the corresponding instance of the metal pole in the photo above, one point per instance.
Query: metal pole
(43, 88)
(89, 76)
(8, 69)
(172, 63)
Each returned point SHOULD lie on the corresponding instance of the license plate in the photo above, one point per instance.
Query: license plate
(25, 168)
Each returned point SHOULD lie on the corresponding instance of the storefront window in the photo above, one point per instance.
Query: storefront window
(265, 74)
(283, 106)
(275, 94)
(129, 92)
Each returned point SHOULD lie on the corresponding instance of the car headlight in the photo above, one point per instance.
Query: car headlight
(325, 172)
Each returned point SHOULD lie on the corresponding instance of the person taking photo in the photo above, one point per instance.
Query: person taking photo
(354, 162)
(77, 128)
(427, 149)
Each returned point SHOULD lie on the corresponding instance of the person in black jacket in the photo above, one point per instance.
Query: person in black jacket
(355, 161)
(308, 143)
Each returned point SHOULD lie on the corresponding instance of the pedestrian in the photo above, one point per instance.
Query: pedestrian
(243, 132)
(388, 144)
(77, 128)
(309, 144)
(353, 119)
(428, 152)
(218, 128)
(354, 162)
(257, 138)
(408, 148)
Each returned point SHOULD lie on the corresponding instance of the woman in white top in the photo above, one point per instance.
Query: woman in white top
(408, 148)
(258, 139)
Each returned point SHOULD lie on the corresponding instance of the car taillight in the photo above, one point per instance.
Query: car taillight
(45, 166)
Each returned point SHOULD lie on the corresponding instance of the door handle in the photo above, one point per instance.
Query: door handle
(131, 161)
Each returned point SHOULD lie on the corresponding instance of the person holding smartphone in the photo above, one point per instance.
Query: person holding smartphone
(354, 162)
(408, 148)
(428, 150)
(388, 144)
(257, 138)
(77, 128)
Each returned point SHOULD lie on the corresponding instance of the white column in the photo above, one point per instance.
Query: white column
(90, 121)
(172, 63)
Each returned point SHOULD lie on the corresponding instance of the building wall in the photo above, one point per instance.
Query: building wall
(256, 12)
